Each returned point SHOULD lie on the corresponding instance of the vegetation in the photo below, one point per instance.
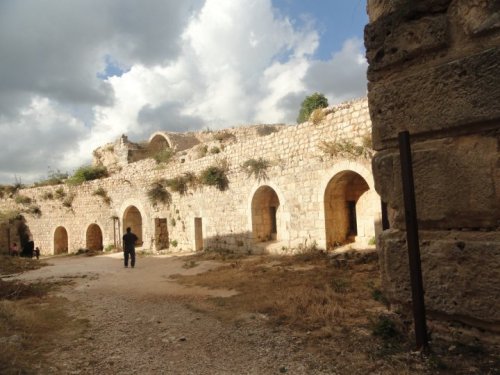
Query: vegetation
(101, 192)
(344, 148)
(164, 156)
(224, 136)
(317, 116)
(257, 168)
(87, 173)
(60, 193)
(54, 178)
(215, 150)
(310, 103)
(48, 195)
(266, 130)
(7, 190)
(158, 194)
(34, 210)
(22, 199)
(215, 176)
(201, 151)
(68, 200)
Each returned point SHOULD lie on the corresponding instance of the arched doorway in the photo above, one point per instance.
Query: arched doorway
(347, 209)
(265, 204)
(94, 238)
(158, 142)
(132, 218)
(60, 241)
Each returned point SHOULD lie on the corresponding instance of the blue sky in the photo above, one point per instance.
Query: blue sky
(336, 20)
(76, 75)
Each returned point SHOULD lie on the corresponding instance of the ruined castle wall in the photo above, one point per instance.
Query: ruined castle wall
(434, 71)
(300, 174)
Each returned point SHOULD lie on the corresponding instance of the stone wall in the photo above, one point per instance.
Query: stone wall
(434, 70)
(290, 211)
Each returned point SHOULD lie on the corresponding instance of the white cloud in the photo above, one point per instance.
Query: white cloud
(42, 136)
(188, 64)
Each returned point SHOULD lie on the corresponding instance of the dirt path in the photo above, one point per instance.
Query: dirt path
(139, 322)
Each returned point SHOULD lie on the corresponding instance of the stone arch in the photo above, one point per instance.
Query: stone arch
(132, 218)
(349, 209)
(264, 208)
(159, 141)
(61, 242)
(93, 237)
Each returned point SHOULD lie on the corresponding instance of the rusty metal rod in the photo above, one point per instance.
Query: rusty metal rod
(417, 289)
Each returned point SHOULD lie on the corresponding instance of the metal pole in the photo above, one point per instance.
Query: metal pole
(417, 289)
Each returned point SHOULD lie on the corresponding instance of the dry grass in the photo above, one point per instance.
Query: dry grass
(10, 265)
(305, 294)
(335, 309)
(31, 324)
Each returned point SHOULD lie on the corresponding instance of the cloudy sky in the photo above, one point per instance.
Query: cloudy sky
(77, 74)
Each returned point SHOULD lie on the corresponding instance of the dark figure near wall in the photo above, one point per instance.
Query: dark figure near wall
(129, 240)
(37, 252)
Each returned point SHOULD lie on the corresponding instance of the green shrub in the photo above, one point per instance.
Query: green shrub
(174, 243)
(214, 176)
(158, 194)
(215, 150)
(385, 328)
(309, 104)
(22, 199)
(87, 173)
(164, 156)
(257, 168)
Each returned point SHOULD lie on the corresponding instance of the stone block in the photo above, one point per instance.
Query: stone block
(458, 268)
(393, 41)
(457, 182)
(448, 96)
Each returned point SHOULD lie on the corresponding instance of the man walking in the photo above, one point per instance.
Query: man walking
(129, 240)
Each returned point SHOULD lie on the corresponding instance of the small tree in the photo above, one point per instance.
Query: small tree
(310, 103)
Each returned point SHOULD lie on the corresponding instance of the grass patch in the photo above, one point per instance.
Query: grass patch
(101, 192)
(22, 199)
(257, 168)
(164, 156)
(54, 178)
(215, 176)
(158, 194)
(344, 148)
(87, 173)
(306, 295)
(266, 130)
(10, 265)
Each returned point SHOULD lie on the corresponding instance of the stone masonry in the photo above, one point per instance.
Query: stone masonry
(308, 195)
(434, 70)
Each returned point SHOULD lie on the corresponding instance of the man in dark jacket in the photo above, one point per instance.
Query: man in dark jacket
(129, 240)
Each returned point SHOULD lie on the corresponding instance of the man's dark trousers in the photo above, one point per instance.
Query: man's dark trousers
(132, 257)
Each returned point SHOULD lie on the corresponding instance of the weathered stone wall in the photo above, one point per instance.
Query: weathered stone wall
(299, 175)
(434, 70)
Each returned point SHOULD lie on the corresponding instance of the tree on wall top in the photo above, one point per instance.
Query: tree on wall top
(310, 103)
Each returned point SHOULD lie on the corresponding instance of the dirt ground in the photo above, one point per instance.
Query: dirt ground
(117, 320)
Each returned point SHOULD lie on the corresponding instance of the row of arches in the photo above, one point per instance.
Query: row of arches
(94, 236)
(348, 210)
